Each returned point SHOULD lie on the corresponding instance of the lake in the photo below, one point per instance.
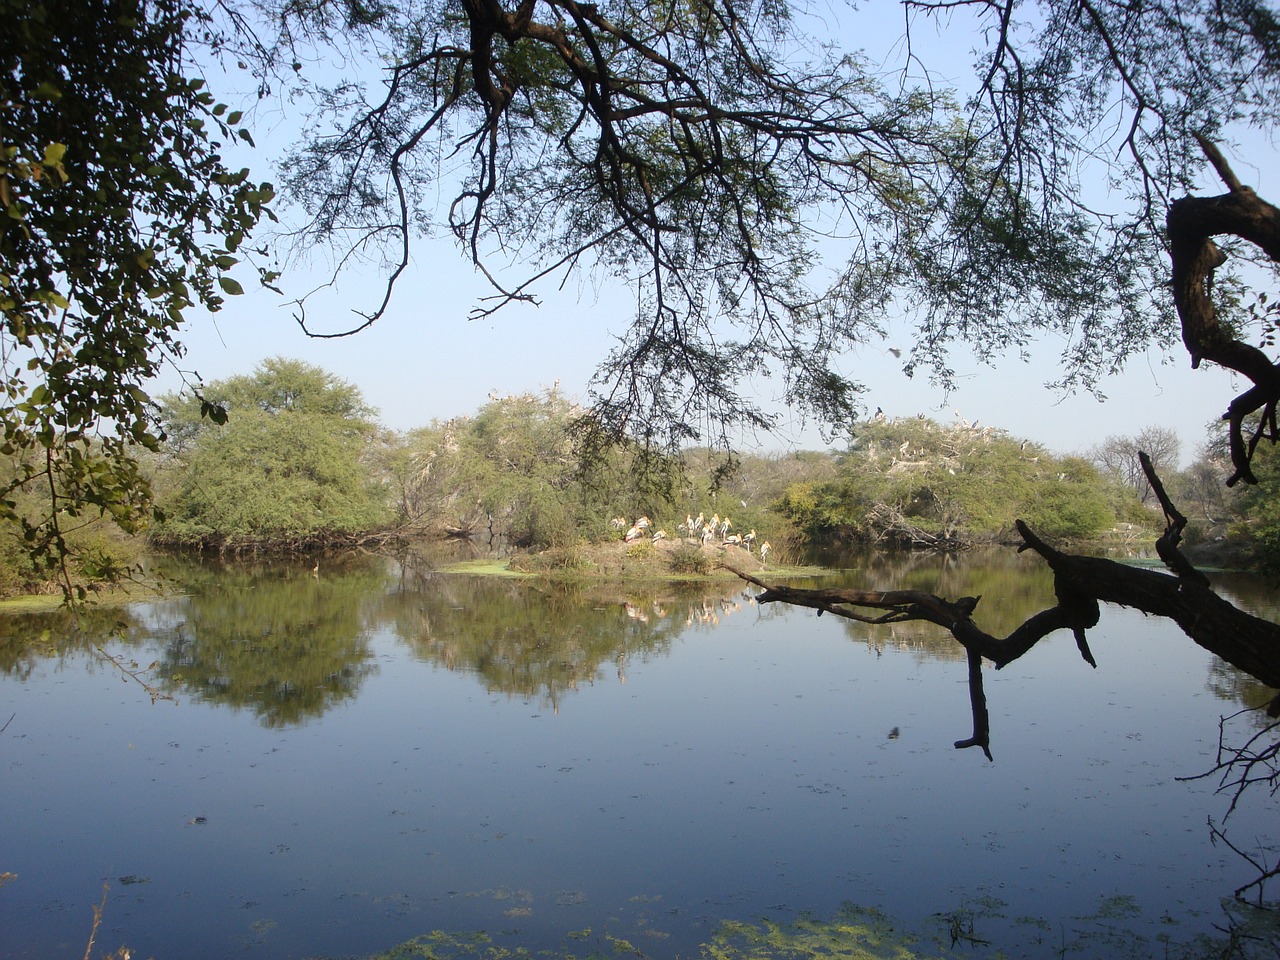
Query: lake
(360, 756)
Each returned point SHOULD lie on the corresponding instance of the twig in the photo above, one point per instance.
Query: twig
(97, 919)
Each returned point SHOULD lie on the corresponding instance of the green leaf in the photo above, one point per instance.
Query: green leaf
(230, 286)
(214, 412)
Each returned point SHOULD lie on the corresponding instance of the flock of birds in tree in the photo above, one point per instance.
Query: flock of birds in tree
(697, 529)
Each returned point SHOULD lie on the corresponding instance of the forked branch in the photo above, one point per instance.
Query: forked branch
(1080, 584)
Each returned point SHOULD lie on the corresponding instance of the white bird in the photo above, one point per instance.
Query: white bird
(764, 550)
(633, 534)
(659, 535)
(749, 538)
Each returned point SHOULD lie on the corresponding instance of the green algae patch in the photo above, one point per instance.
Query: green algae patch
(51, 602)
(490, 568)
(31, 603)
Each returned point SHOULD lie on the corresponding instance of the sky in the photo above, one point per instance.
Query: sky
(426, 360)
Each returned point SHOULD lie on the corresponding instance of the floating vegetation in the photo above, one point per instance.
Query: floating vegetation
(866, 933)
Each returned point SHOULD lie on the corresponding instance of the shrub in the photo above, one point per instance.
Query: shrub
(641, 550)
(562, 559)
(688, 559)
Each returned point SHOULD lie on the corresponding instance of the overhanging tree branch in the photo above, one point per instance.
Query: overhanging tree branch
(1193, 223)
(1081, 584)
(711, 158)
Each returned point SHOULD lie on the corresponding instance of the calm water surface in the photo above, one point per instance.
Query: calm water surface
(360, 757)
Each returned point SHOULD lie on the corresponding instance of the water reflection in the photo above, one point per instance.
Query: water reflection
(364, 788)
(543, 641)
(289, 643)
(1012, 587)
(277, 640)
(27, 639)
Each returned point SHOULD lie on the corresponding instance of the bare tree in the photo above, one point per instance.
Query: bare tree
(1118, 456)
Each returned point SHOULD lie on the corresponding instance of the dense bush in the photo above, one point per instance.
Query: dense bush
(1255, 520)
(288, 469)
(302, 462)
(690, 560)
(918, 482)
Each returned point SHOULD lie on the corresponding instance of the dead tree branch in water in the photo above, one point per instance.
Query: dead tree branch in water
(1080, 584)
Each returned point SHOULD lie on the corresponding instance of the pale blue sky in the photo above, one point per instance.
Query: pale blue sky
(426, 360)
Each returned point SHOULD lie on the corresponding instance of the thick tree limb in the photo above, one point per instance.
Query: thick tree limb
(1081, 584)
(1192, 223)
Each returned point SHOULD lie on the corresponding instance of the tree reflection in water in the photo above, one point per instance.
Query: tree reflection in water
(28, 638)
(540, 640)
(289, 643)
(274, 639)
(746, 764)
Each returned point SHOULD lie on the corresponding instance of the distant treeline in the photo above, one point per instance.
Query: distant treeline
(300, 463)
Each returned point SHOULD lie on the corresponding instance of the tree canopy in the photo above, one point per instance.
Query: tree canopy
(289, 467)
(120, 214)
(770, 197)
(914, 482)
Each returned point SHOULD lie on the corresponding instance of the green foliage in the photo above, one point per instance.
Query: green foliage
(690, 560)
(814, 507)
(1258, 506)
(288, 469)
(1075, 506)
(917, 482)
(1233, 525)
(642, 549)
(524, 472)
(119, 215)
(94, 552)
(565, 559)
(865, 933)
(516, 472)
